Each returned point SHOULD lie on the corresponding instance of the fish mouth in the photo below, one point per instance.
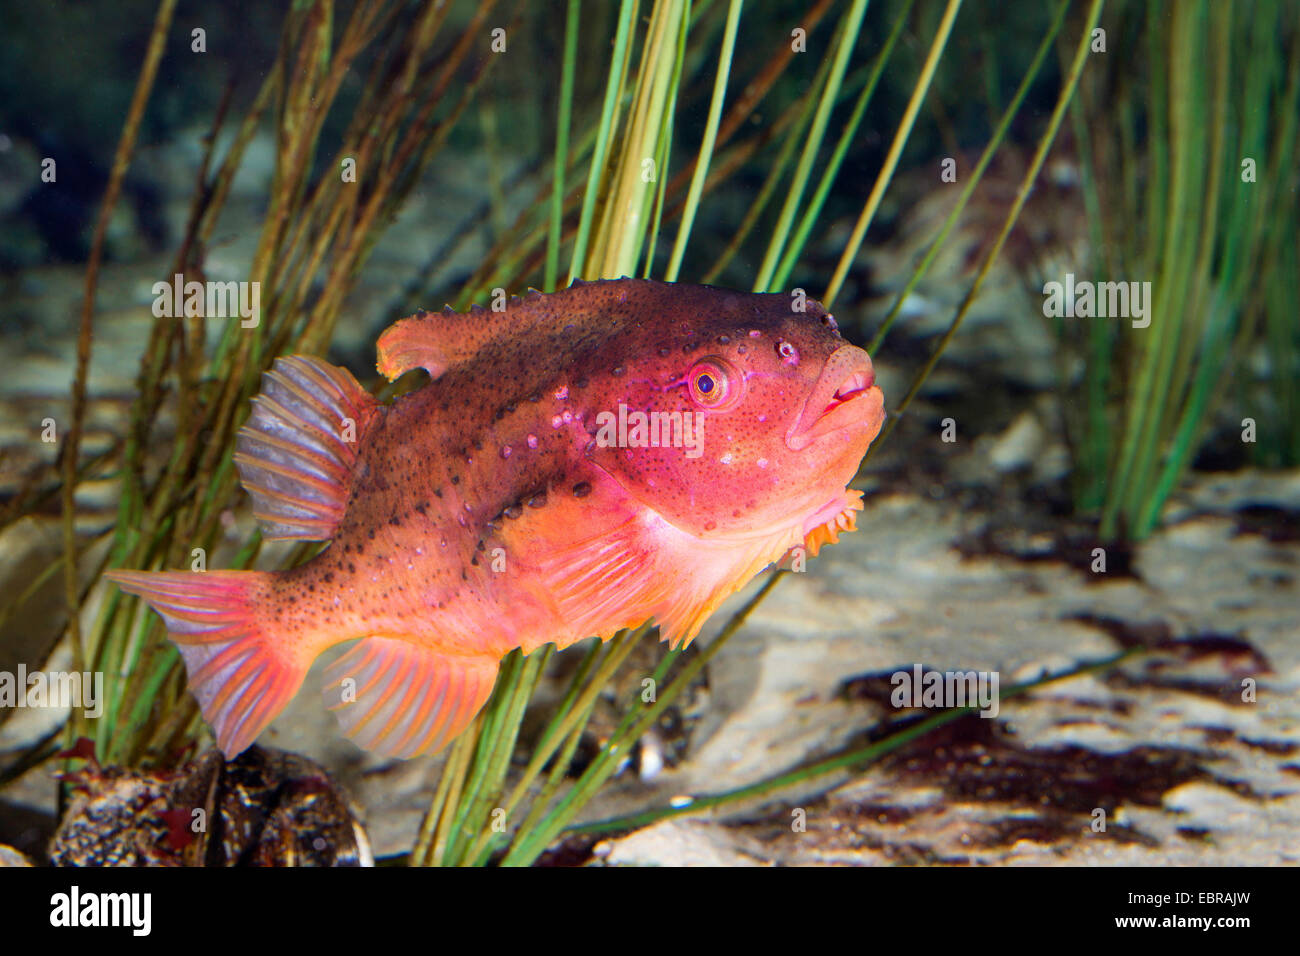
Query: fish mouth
(845, 396)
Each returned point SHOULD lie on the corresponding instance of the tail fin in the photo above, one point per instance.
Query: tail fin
(241, 676)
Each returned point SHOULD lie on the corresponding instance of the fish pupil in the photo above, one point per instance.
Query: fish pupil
(705, 384)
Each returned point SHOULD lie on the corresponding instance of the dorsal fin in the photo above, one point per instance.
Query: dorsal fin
(436, 341)
(298, 451)
(439, 341)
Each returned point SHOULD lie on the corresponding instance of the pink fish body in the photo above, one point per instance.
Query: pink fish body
(583, 461)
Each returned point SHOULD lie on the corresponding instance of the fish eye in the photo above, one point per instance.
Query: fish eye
(713, 384)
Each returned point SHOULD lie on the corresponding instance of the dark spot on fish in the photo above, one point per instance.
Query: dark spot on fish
(438, 492)
(741, 349)
(582, 489)
(618, 370)
(463, 575)
(580, 383)
(420, 313)
(329, 577)
(371, 534)
(352, 568)
(538, 500)
(513, 511)
(455, 479)
(395, 521)
(724, 339)
(480, 546)
(422, 507)
(535, 397)
(710, 526)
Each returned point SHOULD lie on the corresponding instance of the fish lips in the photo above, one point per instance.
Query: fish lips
(844, 396)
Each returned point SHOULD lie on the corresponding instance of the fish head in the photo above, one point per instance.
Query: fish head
(735, 414)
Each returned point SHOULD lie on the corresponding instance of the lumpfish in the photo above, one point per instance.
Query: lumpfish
(581, 461)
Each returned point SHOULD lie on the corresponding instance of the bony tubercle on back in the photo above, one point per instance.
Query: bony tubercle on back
(666, 442)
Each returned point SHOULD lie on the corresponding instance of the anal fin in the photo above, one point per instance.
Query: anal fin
(297, 453)
(400, 699)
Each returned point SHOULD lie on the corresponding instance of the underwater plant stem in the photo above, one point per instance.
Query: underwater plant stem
(855, 758)
(849, 26)
(614, 85)
(1174, 265)
(977, 174)
(1183, 424)
(615, 654)
(895, 151)
(501, 742)
(529, 846)
(1022, 195)
(489, 842)
(710, 139)
(664, 150)
(85, 334)
(795, 247)
(489, 733)
(562, 124)
(800, 114)
(621, 233)
(435, 830)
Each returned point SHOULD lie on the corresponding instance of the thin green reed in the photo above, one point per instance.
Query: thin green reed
(1204, 230)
